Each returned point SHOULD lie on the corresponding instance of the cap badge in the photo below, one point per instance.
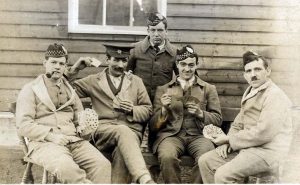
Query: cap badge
(119, 51)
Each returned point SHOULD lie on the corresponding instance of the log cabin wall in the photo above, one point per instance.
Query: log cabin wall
(220, 31)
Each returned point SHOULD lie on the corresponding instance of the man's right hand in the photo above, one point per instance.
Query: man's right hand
(82, 63)
(223, 150)
(57, 138)
(166, 102)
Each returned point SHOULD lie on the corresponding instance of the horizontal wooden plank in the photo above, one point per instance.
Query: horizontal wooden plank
(240, 12)
(223, 50)
(230, 101)
(280, 3)
(37, 57)
(211, 56)
(207, 50)
(34, 31)
(39, 18)
(15, 83)
(35, 5)
(217, 24)
(247, 38)
(32, 44)
(222, 76)
(231, 89)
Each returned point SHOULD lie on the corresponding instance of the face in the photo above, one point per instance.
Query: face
(186, 68)
(117, 66)
(55, 67)
(157, 33)
(256, 74)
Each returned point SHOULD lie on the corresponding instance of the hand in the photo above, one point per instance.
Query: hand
(166, 100)
(220, 139)
(194, 109)
(223, 150)
(126, 106)
(57, 138)
(82, 63)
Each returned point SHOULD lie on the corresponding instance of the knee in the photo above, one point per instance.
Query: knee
(165, 157)
(221, 176)
(125, 132)
(202, 161)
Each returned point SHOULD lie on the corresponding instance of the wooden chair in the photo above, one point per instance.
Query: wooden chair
(27, 175)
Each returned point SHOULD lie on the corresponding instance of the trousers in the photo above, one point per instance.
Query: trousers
(233, 169)
(75, 163)
(171, 148)
(127, 156)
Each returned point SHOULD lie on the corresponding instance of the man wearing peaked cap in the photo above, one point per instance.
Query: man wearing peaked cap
(123, 106)
(47, 114)
(153, 59)
(182, 108)
(259, 138)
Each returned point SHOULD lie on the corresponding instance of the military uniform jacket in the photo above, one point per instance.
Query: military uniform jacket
(208, 102)
(155, 69)
(36, 115)
(264, 125)
(97, 88)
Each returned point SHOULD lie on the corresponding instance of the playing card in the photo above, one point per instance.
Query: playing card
(95, 62)
(210, 130)
(88, 121)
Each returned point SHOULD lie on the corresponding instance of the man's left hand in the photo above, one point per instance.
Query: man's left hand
(194, 109)
(126, 106)
(220, 139)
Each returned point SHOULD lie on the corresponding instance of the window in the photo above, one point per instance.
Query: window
(112, 16)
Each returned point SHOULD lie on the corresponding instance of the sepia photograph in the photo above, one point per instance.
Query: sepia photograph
(149, 91)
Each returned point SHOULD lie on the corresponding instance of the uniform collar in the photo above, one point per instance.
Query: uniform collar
(198, 81)
(168, 48)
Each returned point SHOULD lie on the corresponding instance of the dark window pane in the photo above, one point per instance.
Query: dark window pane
(141, 9)
(90, 12)
(117, 12)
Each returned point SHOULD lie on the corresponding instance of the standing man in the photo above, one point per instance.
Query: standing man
(153, 59)
(260, 135)
(47, 114)
(123, 105)
(182, 108)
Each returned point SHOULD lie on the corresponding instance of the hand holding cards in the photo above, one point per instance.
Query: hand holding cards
(211, 131)
(88, 122)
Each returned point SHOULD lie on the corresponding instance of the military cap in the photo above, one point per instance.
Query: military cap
(250, 56)
(118, 50)
(155, 18)
(56, 50)
(186, 52)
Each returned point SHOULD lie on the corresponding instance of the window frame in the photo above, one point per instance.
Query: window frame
(75, 27)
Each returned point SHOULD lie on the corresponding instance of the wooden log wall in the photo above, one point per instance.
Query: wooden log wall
(220, 31)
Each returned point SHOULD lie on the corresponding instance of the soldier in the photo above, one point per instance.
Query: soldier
(260, 135)
(182, 108)
(153, 59)
(47, 114)
(123, 106)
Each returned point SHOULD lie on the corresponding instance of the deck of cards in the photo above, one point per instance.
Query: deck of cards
(211, 131)
(88, 122)
(95, 62)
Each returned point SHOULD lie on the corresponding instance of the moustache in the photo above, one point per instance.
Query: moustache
(119, 69)
(254, 78)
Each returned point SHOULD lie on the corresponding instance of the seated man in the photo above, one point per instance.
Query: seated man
(123, 105)
(260, 135)
(47, 114)
(182, 108)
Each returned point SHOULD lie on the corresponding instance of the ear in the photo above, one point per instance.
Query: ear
(44, 63)
(268, 71)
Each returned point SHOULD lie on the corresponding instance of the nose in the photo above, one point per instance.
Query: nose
(253, 73)
(57, 66)
(121, 63)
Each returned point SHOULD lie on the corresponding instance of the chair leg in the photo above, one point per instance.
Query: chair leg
(45, 177)
(27, 176)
